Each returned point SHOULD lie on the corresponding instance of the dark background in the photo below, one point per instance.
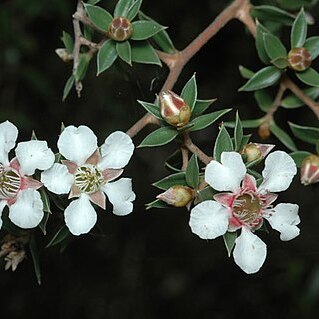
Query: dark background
(147, 264)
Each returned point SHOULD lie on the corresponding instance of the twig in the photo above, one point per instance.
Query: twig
(188, 143)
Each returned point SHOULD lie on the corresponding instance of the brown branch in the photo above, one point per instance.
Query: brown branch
(184, 158)
(188, 143)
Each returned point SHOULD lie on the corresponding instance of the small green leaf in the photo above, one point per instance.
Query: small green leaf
(171, 180)
(204, 194)
(238, 133)
(299, 30)
(174, 161)
(134, 9)
(143, 29)
(246, 123)
(122, 7)
(68, 86)
(280, 63)
(93, 2)
(305, 133)
(312, 45)
(45, 200)
(156, 204)
(124, 51)
(59, 236)
(151, 108)
(264, 100)
(68, 42)
(82, 66)
(309, 76)
(245, 73)
(271, 13)
(262, 79)
(205, 120)
(99, 16)
(229, 240)
(223, 143)
(143, 52)
(35, 257)
(201, 106)
(106, 56)
(192, 172)
(282, 136)
(245, 140)
(260, 45)
(291, 101)
(189, 92)
(43, 223)
(160, 137)
(274, 47)
(299, 156)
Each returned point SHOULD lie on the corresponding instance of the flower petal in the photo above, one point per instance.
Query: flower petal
(80, 216)
(34, 155)
(2, 206)
(27, 211)
(284, 219)
(250, 251)
(227, 175)
(77, 144)
(8, 137)
(121, 195)
(249, 183)
(278, 173)
(116, 151)
(57, 179)
(209, 219)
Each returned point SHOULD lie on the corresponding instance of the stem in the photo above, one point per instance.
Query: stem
(188, 143)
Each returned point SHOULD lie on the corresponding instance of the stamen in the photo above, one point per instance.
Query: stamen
(10, 183)
(88, 178)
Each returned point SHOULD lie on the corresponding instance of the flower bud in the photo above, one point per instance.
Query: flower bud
(255, 151)
(120, 29)
(264, 131)
(309, 173)
(174, 110)
(178, 196)
(64, 55)
(299, 59)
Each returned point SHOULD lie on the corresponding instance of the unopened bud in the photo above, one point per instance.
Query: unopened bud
(264, 131)
(120, 29)
(299, 59)
(309, 173)
(178, 196)
(174, 110)
(64, 55)
(255, 151)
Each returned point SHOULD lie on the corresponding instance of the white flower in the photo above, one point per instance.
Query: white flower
(87, 174)
(244, 206)
(17, 189)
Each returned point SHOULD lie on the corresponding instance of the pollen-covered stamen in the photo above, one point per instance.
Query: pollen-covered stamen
(88, 178)
(247, 209)
(10, 183)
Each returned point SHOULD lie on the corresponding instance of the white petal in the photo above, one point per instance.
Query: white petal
(250, 251)
(27, 211)
(57, 179)
(34, 155)
(2, 205)
(77, 144)
(209, 219)
(284, 219)
(116, 151)
(80, 216)
(8, 137)
(227, 175)
(121, 195)
(279, 170)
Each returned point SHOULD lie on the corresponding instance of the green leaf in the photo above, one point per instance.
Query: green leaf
(124, 51)
(143, 52)
(68, 42)
(245, 73)
(46, 201)
(295, 5)
(204, 194)
(35, 257)
(299, 156)
(312, 45)
(68, 86)
(156, 204)
(282, 136)
(274, 47)
(260, 45)
(291, 101)
(201, 106)
(143, 29)
(189, 92)
(192, 172)
(205, 120)
(299, 31)
(245, 140)
(246, 123)
(122, 7)
(43, 223)
(134, 9)
(223, 143)
(106, 56)
(229, 240)
(151, 108)
(309, 76)
(271, 13)
(280, 63)
(83, 65)
(174, 161)
(262, 79)
(160, 137)
(305, 133)
(238, 133)
(99, 16)
(264, 100)
(93, 2)
(59, 236)
(171, 180)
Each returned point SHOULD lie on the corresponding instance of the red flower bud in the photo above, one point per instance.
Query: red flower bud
(120, 29)
(299, 59)
(310, 170)
(178, 196)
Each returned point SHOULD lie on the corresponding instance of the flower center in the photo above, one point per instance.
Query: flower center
(120, 29)
(88, 178)
(247, 208)
(10, 183)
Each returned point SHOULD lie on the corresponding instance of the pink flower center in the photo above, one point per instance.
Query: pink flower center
(10, 183)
